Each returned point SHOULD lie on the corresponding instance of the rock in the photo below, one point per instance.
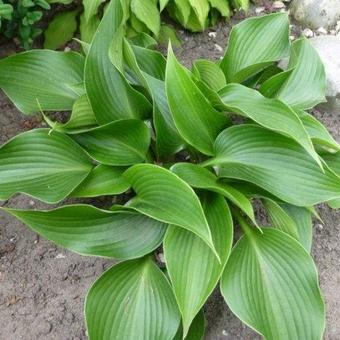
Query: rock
(308, 33)
(212, 35)
(316, 13)
(278, 5)
(328, 47)
(321, 31)
(259, 10)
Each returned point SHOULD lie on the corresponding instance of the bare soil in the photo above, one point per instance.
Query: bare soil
(42, 286)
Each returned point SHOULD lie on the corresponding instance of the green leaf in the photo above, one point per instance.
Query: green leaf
(270, 113)
(249, 52)
(270, 282)
(109, 93)
(306, 84)
(41, 79)
(102, 180)
(91, 8)
(120, 143)
(275, 163)
(87, 230)
(196, 330)
(44, 165)
(193, 268)
(147, 12)
(201, 9)
(164, 196)
(82, 118)
(294, 221)
(222, 6)
(61, 29)
(317, 131)
(333, 161)
(88, 29)
(168, 33)
(132, 300)
(168, 140)
(210, 73)
(201, 178)
(196, 120)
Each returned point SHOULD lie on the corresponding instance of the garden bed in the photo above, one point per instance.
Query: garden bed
(42, 287)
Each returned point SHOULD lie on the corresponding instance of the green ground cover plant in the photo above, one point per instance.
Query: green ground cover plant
(192, 151)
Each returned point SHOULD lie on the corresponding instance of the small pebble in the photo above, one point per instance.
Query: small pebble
(259, 10)
(67, 49)
(212, 35)
(292, 37)
(308, 33)
(321, 31)
(31, 203)
(337, 27)
(278, 5)
(60, 256)
(332, 32)
(161, 257)
(218, 48)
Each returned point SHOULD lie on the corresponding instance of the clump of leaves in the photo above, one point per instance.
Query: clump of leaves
(18, 18)
(134, 115)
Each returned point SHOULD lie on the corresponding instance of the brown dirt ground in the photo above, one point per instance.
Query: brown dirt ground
(42, 286)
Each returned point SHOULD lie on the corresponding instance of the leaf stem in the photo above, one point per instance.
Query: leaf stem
(247, 229)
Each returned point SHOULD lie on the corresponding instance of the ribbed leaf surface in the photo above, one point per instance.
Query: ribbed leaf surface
(196, 120)
(193, 268)
(275, 163)
(109, 93)
(249, 52)
(270, 113)
(201, 178)
(270, 283)
(48, 166)
(132, 300)
(102, 180)
(123, 142)
(42, 79)
(165, 197)
(87, 230)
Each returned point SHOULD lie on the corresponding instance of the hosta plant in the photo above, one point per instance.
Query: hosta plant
(19, 18)
(192, 150)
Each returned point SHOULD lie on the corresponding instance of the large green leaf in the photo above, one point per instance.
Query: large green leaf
(274, 162)
(306, 84)
(48, 166)
(102, 180)
(333, 161)
(109, 93)
(201, 178)
(270, 113)
(123, 142)
(168, 140)
(317, 131)
(87, 230)
(42, 79)
(201, 9)
(193, 268)
(61, 29)
(295, 221)
(270, 283)
(210, 73)
(222, 6)
(82, 118)
(91, 8)
(254, 44)
(147, 12)
(132, 300)
(164, 196)
(196, 120)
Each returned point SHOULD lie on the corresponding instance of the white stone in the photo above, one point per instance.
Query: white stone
(278, 4)
(328, 47)
(316, 13)
(321, 30)
(218, 48)
(337, 27)
(292, 37)
(212, 35)
(259, 10)
(332, 32)
(308, 33)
